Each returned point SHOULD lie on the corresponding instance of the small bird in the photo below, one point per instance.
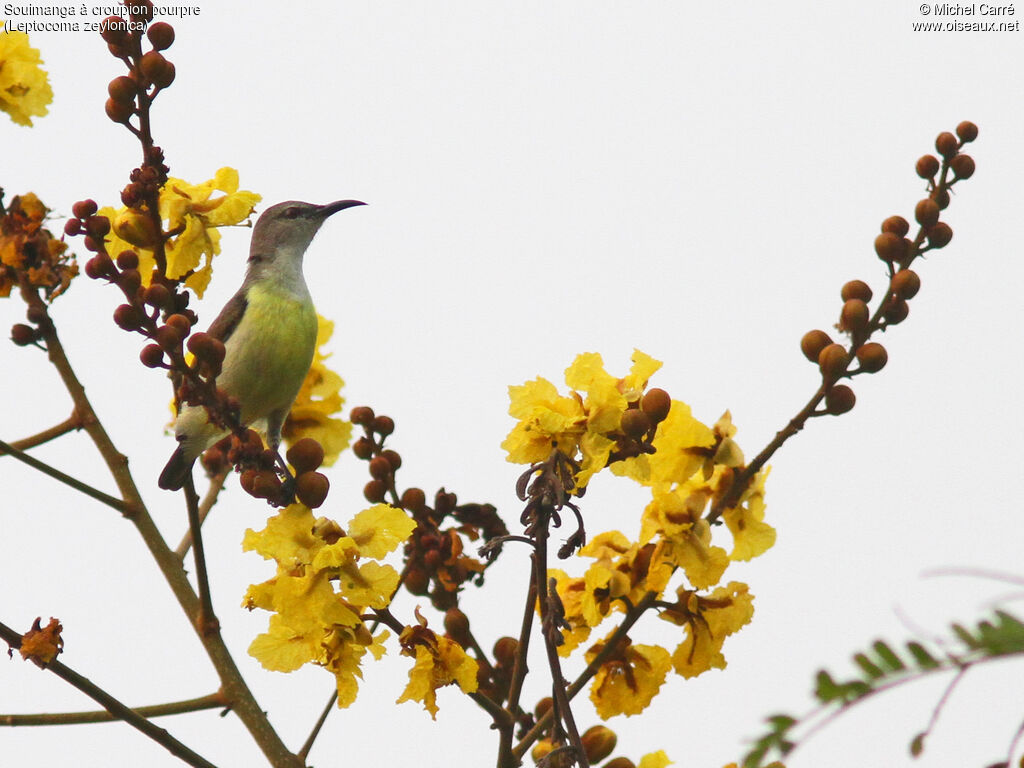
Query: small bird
(269, 332)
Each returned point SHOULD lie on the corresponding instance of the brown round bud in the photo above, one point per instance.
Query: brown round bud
(856, 289)
(940, 235)
(393, 458)
(635, 423)
(543, 707)
(99, 266)
(927, 166)
(941, 198)
(361, 415)
(206, 348)
(161, 35)
(181, 323)
(265, 484)
(383, 425)
(153, 65)
(906, 284)
(37, 314)
(130, 281)
(854, 316)
(126, 317)
(432, 558)
(967, 131)
(363, 448)
(311, 488)
(656, 403)
(119, 111)
(620, 762)
(897, 312)
(380, 467)
(505, 650)
(128, 260)
(306, 455)
(168, 337)
(248, 480)
(83, 209)
(963, 166)
(414, 499)
(946, 144)
(22, 334)
(872, 357)
(890, 247)
(833, 361)
(152, 356)
(374, 491)
(456, 624)
(72, 227)
(158, 295)
(598, 742)
(123, 89)
(97, 227)
(897, 225)
(840, 399)
(926, 212)
(812, 343)
(416, 581)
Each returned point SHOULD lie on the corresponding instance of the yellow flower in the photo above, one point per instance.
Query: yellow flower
(751, 535)
(676, 517)
(24, 86)
(680, 444)
(655, 760)
(320, 397)
(440, 661)
(584, 422)
(709, 620)
(322, 587)
(192, 214)
(626, 683)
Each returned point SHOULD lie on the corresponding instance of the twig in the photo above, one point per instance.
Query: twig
(56, 474)
(68, 425)
(506, 759)
(115, 707)
(308, 745)
(210, 701)
(216, 485)
(206, 620)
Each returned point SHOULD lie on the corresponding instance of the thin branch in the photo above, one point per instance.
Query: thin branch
(308, 745)
(210, 701)
(56, 474)
(212, 493)
(206, 620)
(115, 707)
(515, 688)
(69, 424)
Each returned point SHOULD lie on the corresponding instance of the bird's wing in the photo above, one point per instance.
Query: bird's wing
(226, 322)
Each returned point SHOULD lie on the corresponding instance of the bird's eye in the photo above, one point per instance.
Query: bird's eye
(292, 212)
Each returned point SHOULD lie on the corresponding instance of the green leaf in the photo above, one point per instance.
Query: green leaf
(965, 637)
(921, 655)
(889, 659)
(917, 744)
(869, 667)
(825, 688)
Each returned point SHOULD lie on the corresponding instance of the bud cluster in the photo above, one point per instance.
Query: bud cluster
(898, 251)
(31, 258)
(435, 563)
(259, 476)
(638, 425)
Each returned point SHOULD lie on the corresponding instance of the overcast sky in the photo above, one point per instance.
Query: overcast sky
(543, 179)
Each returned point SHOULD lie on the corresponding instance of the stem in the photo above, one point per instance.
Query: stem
(210, 701)
(56, 474)
(304, 752)
(216, 485)
(506, 758)
(206, 620)
(68, 425)
(113, 706)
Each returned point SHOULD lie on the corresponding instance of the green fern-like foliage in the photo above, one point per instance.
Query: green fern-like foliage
(882, 667)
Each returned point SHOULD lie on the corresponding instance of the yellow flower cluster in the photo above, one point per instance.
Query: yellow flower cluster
(440, 661)
(191, 215)
(319, 398)
(691, 467)
(24, 86)
(326, 578)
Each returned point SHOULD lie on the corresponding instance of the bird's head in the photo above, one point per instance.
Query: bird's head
(289, 227)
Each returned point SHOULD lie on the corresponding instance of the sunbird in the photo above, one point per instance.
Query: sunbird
(269, 332)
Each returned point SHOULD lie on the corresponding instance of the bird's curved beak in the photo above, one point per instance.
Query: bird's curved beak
(338, 205)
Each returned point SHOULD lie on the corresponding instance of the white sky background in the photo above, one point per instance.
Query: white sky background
(545, 179)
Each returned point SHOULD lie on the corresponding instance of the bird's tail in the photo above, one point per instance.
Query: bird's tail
(177, 469)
